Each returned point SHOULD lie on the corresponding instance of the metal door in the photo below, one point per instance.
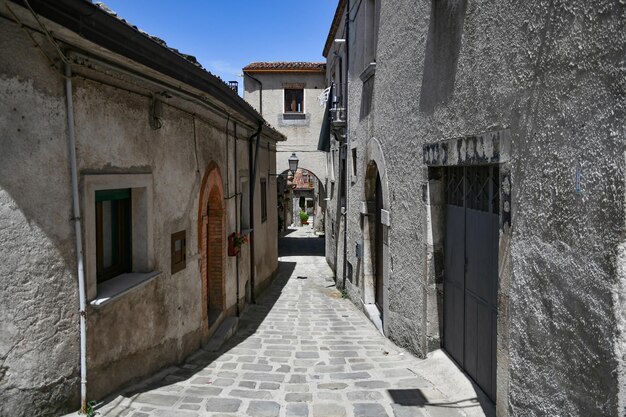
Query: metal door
(471, 271)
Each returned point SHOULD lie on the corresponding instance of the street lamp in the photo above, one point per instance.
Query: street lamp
(293, 163)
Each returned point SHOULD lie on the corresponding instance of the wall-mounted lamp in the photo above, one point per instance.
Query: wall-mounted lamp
(293, 167)
(293, 163)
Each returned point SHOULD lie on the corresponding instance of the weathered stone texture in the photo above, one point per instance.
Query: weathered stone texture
(38, 322)
(553, 75)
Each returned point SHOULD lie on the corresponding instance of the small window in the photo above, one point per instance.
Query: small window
(245, 203)
(354, 164)
(113, 233)
(178, 251)
(263, 199)
(294, 100)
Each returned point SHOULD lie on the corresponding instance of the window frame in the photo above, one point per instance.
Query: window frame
(293, 88)
(142, 252)
(263, 200)
(121, 242)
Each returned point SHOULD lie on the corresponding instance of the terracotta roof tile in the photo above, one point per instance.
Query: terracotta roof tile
(286, 66)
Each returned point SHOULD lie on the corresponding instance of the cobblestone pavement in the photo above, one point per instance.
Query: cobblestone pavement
(303, 351)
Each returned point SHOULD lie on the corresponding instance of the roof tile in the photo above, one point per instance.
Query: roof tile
(285, 66)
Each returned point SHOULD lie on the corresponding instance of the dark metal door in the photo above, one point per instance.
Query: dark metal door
(379, 247)
(471, 271)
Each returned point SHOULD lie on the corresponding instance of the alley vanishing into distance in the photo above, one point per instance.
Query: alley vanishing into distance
(303, 350)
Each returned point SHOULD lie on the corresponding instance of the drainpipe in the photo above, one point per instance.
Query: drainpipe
(252, 164)
(345, 216)
(71, 144)
(236, 212)
(260, 92)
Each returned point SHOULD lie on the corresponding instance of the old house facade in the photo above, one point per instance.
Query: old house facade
(287, 95)
(477, 155)
(124, 169)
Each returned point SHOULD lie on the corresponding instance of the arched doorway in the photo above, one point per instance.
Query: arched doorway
(211, 245)
(379, 273)
(375, 246)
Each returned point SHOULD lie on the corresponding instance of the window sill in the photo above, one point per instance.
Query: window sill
(368, 72)
(117, 287)
(294, 116)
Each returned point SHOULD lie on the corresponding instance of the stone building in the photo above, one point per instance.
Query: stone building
(288, 94)
(477, 151)
(110, 138)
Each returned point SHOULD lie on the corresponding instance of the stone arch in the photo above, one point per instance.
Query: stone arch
(212, 245)
(375, 235)
(320, 198)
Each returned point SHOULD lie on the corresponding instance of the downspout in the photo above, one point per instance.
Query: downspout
(71, 144)
(260, 92)
(229, 193)
(253, 167)
(345, 214)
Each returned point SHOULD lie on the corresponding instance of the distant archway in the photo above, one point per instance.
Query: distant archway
(304, 184)
(211, 245)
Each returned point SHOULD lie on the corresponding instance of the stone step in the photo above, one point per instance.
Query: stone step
(226, 330)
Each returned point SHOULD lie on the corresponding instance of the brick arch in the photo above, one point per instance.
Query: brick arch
(212, 244)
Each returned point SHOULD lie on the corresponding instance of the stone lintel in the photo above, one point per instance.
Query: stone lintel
(486, 148)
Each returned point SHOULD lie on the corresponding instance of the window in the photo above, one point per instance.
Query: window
(294, 100)
(178, 251)
(354, 164)
(119, 249)
(113, 233)
(245, 203)
(263, 199)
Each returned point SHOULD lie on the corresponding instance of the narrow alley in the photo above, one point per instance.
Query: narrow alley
(302, 350)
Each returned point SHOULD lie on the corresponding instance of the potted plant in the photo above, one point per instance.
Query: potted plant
(304, 218)
(235, 242)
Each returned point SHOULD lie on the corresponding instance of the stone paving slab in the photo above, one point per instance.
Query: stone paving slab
(303, 351)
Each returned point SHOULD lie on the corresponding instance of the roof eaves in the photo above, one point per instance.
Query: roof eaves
(334, 26)
(104, 28)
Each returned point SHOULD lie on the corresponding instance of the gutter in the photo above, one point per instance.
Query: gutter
(71, 145)
(106, 30)
(287, 71)
(345, 214)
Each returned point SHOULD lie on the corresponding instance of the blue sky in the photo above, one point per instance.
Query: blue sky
(227, 35)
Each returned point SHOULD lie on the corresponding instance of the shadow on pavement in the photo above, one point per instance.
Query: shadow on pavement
(301, 246)
(249, 321)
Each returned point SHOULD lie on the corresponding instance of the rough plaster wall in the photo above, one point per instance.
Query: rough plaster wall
(330, 213)
(265, 232)
(38, 298)
(619, 300)
(554, 73)
(162, 320)
(564, 244)
(400, 44)
(113, 136)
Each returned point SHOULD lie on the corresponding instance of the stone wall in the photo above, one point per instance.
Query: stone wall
(552, 75)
